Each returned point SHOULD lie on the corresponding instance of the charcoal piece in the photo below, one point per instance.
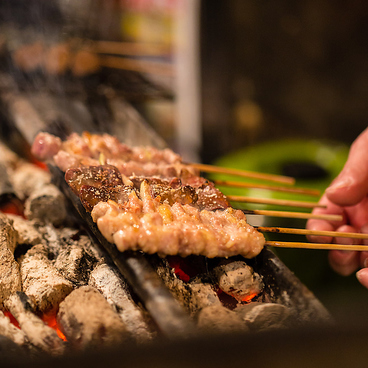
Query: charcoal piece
(10, 280)
(39, 334)
(41, 280)
(266, 316)
(217, 318)
(202, 295)
(27, 178)
(194, 295)
(8, 235)
(52, 238)
(74, 264)
(13, 333)
(7, 191)
(27, 232)
(114, 288)
(238, 279)
(87, 320)
(47, 205)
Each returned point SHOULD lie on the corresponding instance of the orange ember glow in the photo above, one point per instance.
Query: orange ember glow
(51, 322)
(249, 297)
(12, 319)
(12, 207)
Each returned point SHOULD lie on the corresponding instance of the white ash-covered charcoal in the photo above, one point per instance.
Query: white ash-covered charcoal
(238, 279)
(87, 320)
(38, 333)
(74, 263)
(10, 279)
(114, 288)
(27, 178)
(202, 295)
(219, 319)
(266, 316)
(46, 204)
(193, 295)
(13, 333)
(27, 232)
(41, 281)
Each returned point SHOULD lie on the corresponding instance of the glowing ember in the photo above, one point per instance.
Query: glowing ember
(13, 207)
(249, 297)
(12, 319)
(50, 320)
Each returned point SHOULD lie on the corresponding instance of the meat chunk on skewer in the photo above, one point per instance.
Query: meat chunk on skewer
(147, 199)
(177, 229)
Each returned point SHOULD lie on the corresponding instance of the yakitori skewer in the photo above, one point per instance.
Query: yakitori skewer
(142, 66)
(239, 184)
(322, 246)
(335, 234)
(243, 173)
(300, 215)
(272, 201)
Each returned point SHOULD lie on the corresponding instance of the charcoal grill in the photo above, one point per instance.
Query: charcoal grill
(24, 112)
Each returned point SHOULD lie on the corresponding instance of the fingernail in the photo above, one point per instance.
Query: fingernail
(339, 184)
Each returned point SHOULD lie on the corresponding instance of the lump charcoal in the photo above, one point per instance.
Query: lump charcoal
(41, 280)
(13, 333)
(8, 235)
(10, 279)
(28, 178)
(194, 295)
(27, 232)
(74, 264)
(217, 318)
(266, 316)
(202, 295)
(113, 287)
(87, 320)
(39, 334)
(238, 280)
(46, 204)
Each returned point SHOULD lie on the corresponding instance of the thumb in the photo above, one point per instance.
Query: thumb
(351, 185)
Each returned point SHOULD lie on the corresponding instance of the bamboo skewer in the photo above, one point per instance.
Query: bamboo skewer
(142, 66)
(359, 248)
(335, 234)
(243, 173)
(287, 214)
(237, 184)
(272, 201)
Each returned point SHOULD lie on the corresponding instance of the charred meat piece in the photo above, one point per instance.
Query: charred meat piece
(148, 225)
(93, 184)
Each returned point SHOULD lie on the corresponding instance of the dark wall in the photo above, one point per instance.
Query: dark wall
(283, 68)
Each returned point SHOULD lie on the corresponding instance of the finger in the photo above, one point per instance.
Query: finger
(313, 224)
(343, 262)
(362, 276)
(351, 185)
(346, 241)
(358, 214)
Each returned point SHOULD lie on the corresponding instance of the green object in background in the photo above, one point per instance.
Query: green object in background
(314, 164)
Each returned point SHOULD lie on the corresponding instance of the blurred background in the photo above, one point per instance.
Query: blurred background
(274, 86)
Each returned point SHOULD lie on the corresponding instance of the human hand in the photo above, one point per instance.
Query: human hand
(347, 196)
